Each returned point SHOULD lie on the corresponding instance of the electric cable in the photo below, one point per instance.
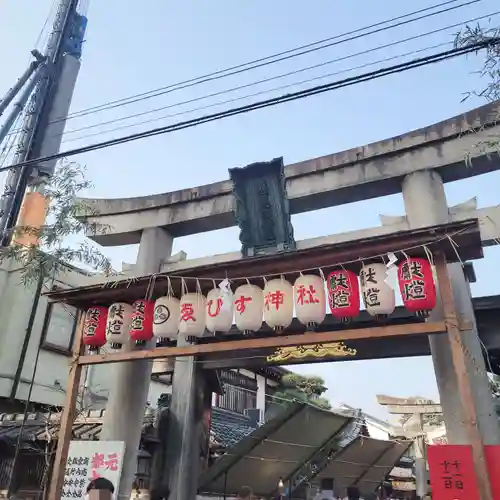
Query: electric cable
(247, 96)
(272, 59)
(282, 75)
(390, 70)
(46, 22)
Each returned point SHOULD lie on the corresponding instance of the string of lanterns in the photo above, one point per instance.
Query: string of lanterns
(249, 305)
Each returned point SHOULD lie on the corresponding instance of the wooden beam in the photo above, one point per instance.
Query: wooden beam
(458, 353)
(414, 409)
(269, 342)
(68, 416)
(465, 234)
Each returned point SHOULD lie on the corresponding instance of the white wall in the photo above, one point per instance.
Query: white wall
(377, 431)
(16, 302)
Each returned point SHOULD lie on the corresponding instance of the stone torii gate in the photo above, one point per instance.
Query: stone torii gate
(416, 164)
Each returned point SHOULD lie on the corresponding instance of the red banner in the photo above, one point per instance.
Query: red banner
(452, 474)
(492, 454)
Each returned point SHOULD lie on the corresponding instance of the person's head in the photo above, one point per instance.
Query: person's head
(101, 483)
(245, 493)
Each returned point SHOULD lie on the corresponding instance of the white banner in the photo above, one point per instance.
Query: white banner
(89, 460)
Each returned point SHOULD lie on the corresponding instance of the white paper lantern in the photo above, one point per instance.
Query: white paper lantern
(219, 310)
(378, 296)
(166, 317)
(118, 324)
(310, 300)
(192, 315)
(248, 305)
(278, 304)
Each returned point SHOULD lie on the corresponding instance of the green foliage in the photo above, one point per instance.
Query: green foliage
(489, 73)
(57, 253)
(307, 389)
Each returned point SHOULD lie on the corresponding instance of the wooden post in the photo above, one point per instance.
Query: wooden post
(458, 355)
(68, 415)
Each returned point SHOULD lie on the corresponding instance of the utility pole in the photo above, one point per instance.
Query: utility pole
(37, 133)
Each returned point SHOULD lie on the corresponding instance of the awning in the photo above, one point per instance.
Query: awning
(364, 463)
(277, 449)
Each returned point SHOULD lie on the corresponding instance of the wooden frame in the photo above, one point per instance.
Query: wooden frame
(51, 346)
(470, 247)
(458, 352)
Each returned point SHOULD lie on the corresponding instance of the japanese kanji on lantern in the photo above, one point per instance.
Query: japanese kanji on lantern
(310, 300)
(416, 283)
(192, 314)
(278, 304)
(118, 324)
(166, 317)
(343, 294)
(141, 328)
(248, 305)
(378, 296)
(219, 310)
(94, 327)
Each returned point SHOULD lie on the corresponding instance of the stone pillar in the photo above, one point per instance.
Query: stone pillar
(261, 395)
(425, 203)
(124, 416)
(182, 457)
(420, 460)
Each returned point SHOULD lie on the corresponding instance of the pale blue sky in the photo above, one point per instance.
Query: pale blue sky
(136, 46)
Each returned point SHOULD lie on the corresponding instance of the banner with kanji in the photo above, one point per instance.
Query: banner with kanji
(451, 471)
(89, 460)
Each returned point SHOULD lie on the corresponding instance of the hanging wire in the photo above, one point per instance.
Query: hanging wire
(264, 277)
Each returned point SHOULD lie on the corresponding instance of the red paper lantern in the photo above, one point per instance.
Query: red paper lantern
(417, 286)
(343, 294)
(94, 327)
(141, 327)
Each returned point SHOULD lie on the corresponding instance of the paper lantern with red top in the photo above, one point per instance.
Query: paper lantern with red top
(94, 327)
(141, 327)
(416, 284)
(310, 300)
(278, 304)
(343, 294)
(248, 304)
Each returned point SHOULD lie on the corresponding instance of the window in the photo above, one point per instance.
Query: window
(59, 328)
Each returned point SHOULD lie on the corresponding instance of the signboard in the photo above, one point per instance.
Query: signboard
(452, 473)
(89, 460)
(404, 485)
(401, 472)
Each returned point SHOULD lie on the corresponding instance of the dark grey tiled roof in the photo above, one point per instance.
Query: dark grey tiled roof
(228, 428)
(41, 427)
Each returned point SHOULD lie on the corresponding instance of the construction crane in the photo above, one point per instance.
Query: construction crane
(44, 93)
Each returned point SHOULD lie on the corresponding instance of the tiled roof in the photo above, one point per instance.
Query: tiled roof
(227, 427)
(41, 426)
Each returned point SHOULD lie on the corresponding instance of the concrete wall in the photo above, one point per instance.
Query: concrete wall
(16, 302)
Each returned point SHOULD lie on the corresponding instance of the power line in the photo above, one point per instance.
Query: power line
(282, 75)
(267, 91)
(399, 68)
(272, 59)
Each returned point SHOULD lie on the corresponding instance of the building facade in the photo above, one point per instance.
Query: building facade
(37, 335)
